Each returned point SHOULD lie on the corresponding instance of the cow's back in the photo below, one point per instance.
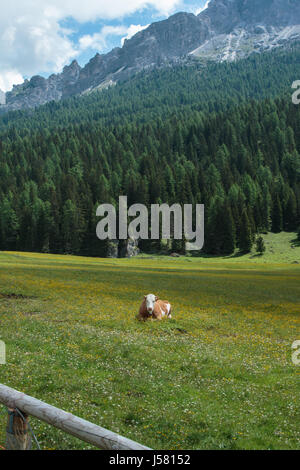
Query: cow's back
(164, 308)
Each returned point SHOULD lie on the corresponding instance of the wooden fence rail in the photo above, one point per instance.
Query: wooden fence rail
(83, 430)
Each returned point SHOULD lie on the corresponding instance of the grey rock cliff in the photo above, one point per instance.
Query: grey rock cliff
(39, 90)
(226, 30)
(2, 98)
(241, 27)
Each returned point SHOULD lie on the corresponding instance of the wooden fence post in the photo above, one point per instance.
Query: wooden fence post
(80, 428)
(17, 435)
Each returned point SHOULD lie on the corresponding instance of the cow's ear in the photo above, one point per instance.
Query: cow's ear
(156, 299)
(145, 297)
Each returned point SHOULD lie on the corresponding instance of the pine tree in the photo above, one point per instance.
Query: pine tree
(221, 234)
(71, 228)
(277, 218)
(290, 213)
(260, 245)
(9, 226)
(228, 232)
(245, 235)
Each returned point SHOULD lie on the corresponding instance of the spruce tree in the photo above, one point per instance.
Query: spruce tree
(277, 218)
(245, 235)
(260, 245)
(228, 232)
(290, 213)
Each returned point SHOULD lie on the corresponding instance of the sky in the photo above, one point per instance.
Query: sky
(40, 37)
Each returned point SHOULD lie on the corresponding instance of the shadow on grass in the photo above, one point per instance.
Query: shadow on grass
(222, 256)
(295, 242)
(238, 254)
(13, 296)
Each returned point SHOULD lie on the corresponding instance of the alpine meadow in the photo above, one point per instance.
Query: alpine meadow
(197, 110)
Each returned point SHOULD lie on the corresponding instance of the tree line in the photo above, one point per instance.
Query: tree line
(240, 159)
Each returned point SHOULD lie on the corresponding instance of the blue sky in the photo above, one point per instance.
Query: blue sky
(143, 17)
(42, 36)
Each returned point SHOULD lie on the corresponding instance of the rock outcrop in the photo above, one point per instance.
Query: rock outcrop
(129, 249)
(2, 98)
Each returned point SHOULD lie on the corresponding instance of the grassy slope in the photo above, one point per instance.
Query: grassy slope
(281, 248)
(217, 376)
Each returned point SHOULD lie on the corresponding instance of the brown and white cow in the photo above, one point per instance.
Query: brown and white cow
(154, 308)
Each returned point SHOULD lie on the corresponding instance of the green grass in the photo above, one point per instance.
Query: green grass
(217, 376)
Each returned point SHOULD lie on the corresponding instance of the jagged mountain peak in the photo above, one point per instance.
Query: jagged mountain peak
(225, 30)
(241, 27)
(271, 12)
(72, 68)
(2, 98)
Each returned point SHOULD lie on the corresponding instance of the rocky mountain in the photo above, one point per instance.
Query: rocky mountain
(241, 27)
(225, 30)
(2, 98)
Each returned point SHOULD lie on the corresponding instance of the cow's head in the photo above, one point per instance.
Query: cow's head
(150, 302)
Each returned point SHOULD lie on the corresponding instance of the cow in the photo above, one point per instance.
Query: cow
(154, 308)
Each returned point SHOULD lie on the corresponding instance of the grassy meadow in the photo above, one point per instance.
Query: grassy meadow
(219, 375)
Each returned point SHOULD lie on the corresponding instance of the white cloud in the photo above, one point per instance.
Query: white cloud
(91, 9)
(98, 41)
(9, 77)
(33, 41)
(199, 10)
(132, 30)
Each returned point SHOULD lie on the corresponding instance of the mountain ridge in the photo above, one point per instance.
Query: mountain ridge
(226, 30)
(2, 97)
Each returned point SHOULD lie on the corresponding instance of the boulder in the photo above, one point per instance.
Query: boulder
(129, 249)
